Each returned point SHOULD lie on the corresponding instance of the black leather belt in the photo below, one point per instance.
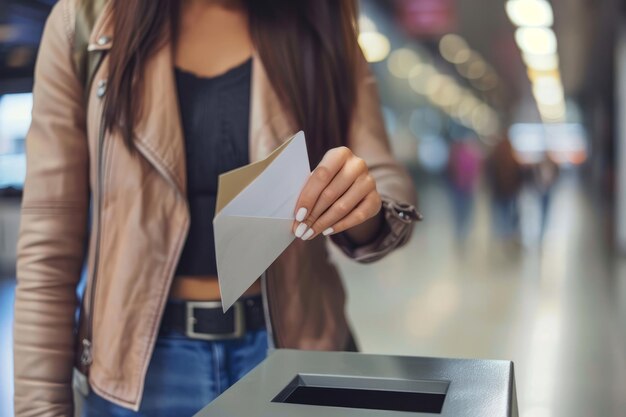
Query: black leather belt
(205, 320)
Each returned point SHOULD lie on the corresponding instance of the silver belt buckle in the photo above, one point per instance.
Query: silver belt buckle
(190, 321)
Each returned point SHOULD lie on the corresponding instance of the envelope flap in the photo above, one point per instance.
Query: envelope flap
(231, 183)
(274, 193)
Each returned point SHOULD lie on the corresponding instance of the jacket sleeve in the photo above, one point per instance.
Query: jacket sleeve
(368, 140)
(53, 229)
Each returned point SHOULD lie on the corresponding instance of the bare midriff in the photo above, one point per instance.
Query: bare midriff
(203, 288)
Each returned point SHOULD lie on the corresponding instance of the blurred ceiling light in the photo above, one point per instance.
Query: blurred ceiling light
(480, 116)
(402, 61)
(537, 41)
(484, 121)
(375, 46)
(548, 97)
(555, 119)
(462, 56)
(476, 70)
(466, 120)
(552, 109)
(454, 49)
(420, 70)
(530, 13)
(448, 96)
(465, 107)
(366, 24)
(435, 84)
(541, 62)
(487, 82)
(544, 98)
(549, 83)
(549, 94)
(534, 74)
(552, 113)
(491, 127)
(420, 76)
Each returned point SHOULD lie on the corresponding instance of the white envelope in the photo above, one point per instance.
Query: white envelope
(254, 216)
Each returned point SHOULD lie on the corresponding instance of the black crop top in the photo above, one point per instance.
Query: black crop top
(215, 116)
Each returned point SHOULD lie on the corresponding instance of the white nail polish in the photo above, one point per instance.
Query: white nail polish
(308, 234)
(301, 229)
(301, 214)
(328, 231)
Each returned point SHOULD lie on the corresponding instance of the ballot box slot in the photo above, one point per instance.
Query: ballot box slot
(418, 396)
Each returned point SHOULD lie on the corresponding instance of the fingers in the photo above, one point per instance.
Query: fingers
(357, 205)
(320, 178)
(351, 172)
(338, 195)
(368, 208)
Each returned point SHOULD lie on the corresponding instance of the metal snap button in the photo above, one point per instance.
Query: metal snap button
(102, 88)
(103, 40)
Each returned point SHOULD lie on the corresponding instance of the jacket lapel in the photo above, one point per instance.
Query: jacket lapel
(158, 131)
(270, 124)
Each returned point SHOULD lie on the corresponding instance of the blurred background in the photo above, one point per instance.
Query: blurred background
(510, 116)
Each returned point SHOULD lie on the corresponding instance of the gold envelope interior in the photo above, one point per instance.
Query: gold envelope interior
(231, 183)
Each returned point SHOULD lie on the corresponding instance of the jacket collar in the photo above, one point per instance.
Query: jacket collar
(158, 132)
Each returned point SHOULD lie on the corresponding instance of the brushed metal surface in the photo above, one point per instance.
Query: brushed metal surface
(475, 387)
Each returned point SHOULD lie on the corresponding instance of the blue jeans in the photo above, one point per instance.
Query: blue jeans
(185, 375)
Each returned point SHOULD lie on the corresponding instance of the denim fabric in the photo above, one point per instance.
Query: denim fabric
(185, 375)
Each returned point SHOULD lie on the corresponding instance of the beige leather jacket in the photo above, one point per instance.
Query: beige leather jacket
(87, 198)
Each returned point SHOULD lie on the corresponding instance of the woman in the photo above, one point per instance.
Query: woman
(189, 89)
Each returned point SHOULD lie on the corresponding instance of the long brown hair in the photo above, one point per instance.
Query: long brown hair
(308, 48)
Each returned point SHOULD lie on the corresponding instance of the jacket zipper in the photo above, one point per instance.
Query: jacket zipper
(87, 342)
(87, 357)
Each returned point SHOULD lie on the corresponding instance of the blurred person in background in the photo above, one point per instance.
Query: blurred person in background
(464, 165)
(505, 178)
(189, 89)
(543, 177)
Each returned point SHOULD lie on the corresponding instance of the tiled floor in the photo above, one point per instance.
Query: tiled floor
(558, 312)
(554, 311)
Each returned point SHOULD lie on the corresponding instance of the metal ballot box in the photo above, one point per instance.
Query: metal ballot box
(312, 384)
